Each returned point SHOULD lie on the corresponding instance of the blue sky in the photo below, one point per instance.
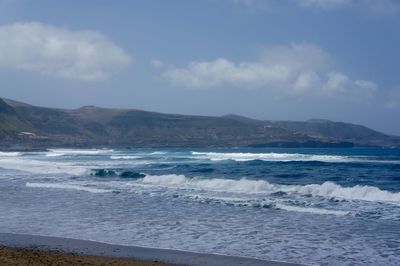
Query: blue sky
(266, 59)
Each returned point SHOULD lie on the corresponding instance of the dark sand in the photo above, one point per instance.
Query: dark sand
(69, 251)
(29, 257)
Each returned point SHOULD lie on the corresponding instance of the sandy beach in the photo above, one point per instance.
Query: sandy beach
(31, 257)
(18, 249)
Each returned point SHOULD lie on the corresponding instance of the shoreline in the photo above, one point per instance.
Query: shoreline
(99, 249)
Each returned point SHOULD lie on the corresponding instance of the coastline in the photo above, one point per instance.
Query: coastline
(99, 249)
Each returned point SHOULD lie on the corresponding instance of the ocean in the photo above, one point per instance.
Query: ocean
(311, 206)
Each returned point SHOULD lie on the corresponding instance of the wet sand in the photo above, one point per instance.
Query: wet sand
(65, 249)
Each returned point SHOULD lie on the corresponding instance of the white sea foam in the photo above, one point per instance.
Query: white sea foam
(269, 203)
(66, 186)
(310, 210)
(54, 154)
(71, 152)
(327, 189)
(9, 154)
(330, 189)
(41, 167)
(271, 156)
(123, 157)
(230, 185)
(287, 157)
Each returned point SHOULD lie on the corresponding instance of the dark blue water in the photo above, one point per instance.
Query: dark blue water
(315, 206)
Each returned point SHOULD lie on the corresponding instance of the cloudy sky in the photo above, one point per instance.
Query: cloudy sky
(266, 59)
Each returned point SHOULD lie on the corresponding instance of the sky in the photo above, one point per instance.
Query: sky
(265, 59)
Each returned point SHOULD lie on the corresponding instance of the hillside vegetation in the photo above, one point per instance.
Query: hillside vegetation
(26, 126)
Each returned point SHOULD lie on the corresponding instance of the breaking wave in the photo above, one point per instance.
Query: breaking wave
(67, 187)
(9, 154)
(272, 156)
(41, 167)
(263, 203)
(123, 157)
(327, 189)
(279, 157)
(72, 152)
(310, 210)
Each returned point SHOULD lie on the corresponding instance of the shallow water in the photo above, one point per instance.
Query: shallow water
(316, 206)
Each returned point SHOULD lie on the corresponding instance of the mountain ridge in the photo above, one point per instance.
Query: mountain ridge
(27, 126)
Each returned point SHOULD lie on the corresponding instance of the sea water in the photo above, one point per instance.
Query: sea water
(312, 206)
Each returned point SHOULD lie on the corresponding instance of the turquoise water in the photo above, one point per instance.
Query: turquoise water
(315, 206)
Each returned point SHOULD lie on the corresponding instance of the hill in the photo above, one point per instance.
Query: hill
(24, 126)
(326, 130)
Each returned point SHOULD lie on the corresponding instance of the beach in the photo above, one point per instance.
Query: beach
(19, 249)
(21, 257)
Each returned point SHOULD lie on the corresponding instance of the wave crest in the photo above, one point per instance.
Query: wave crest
(9, 154)
(330, 189)
(41, 167)
(327, 189)
(272, 156)
(123, 157)
(66, 186)
(72, 152)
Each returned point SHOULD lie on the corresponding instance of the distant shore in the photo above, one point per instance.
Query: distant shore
(65, 250)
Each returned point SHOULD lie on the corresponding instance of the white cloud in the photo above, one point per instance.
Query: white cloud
(223, 72)
(59, 52)
(338, 82)
(298, 69)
